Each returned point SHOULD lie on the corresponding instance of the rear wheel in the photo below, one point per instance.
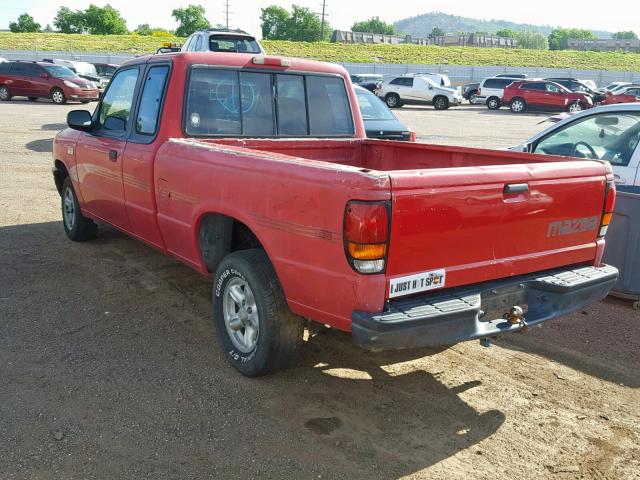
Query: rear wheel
(77, 227)
(258, 332)
(494, 103)
(473, 96)
(393, 100)
(518, 105)
(440, 103)
(5, 94)
(57, 96)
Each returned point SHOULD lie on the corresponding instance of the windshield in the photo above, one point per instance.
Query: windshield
(233, 43)
(58, 71)
(85, 69)
(372, 108)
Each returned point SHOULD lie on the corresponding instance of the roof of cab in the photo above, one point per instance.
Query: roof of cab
(240, 60)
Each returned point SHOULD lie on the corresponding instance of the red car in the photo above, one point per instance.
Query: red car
(630, 94)
(544, 95)
(44, 80)
(256, 171)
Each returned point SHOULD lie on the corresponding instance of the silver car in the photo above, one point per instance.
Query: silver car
(235, 41)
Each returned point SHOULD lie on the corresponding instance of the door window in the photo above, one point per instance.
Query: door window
(115, 108)
(608, 136)
(151, 99)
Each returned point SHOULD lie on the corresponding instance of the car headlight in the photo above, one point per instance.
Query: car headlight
(71, 84)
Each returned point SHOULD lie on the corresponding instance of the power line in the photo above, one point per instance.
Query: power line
(226, 12)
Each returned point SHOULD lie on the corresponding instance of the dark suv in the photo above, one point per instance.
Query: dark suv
(44, 80)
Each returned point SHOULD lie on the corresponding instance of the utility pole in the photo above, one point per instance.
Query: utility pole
(226, 12)
(324, 6)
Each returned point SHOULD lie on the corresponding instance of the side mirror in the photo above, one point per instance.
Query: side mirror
(430, 87)
(80, 120)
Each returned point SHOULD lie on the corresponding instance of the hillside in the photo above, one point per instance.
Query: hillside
(421, 25)
(334, 52)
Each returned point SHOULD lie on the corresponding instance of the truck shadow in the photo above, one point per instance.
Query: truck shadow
(43, 145)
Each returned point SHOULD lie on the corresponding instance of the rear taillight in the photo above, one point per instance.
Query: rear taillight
(412, 136)
(479, 92)
(366, 235)
(609, 204)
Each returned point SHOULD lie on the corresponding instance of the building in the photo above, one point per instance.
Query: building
(470, 40)
(603, 45)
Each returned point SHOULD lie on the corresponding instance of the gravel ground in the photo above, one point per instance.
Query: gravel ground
(109, 366)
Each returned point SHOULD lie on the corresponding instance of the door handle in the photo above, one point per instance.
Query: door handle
(619, 180)
(516, 188)
(113, 155)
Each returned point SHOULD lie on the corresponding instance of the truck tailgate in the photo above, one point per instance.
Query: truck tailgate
(457, 226)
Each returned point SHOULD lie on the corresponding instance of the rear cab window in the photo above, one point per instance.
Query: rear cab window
(223, 102)
(233, 43)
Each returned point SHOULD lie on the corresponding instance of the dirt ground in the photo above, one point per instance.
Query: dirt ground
(109, 366)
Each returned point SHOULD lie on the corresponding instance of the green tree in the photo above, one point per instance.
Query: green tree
(273, 22)
(70, 21)
(143, 29)
(560, 35)
(190, 19)
(436, 32)
(532, 40)
(506, 33)
(305, 26)
(25, 23)
(104, 21)
(374, 25)
(628, 35)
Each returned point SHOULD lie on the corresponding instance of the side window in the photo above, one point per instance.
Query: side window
(115, 108)
(151, 99)
(533, 86)
(5, 67)
(187, 45)
(550, 87)
(19, 69)
(612, 137)
(32, 70)
(198, 46)
(292, 106)
(396, 81)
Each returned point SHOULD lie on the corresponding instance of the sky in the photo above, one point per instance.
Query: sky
(342, 13)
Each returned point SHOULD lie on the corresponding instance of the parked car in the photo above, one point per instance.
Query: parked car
(544, 95)
(470, 92)
(44, 80)
(417, 90)
(610, 133)
(590, 83)
(612, 86)
(628, 94)
(491, 91)
(579, 86)
(105, 70)
(312, 220)
(82, 69)
(379, 121)
(370, 81)
(512, 75)
(221, 40)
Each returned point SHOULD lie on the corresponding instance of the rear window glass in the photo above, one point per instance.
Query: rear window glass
(231, 103)
(233, 43)
(497, 82)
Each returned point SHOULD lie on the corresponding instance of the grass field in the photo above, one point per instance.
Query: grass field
(333, 52)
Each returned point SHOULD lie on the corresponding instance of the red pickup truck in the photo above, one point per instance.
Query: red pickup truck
(256, 170)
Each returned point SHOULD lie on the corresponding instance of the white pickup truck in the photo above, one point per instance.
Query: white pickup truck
(609, 133)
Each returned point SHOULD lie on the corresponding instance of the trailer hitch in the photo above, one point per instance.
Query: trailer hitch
(516, 317)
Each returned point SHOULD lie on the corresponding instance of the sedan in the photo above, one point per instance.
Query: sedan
(610, 133)
(379, 121)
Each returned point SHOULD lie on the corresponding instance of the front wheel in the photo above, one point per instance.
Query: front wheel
(77, 227)
(575, 107)
(440, 103)
(57, 96)
(258, 332)
(493, 103)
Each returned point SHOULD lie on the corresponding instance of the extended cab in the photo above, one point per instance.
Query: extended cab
(256, 170)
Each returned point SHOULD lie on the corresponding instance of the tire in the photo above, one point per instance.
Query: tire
(33, 99)
(575, 107)
(494, 103)
(77, 227)
(441, 103)
(392, 100)
(5, 94)
(258, 332)
(518, 105)
(473, 96)
(57, 97)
